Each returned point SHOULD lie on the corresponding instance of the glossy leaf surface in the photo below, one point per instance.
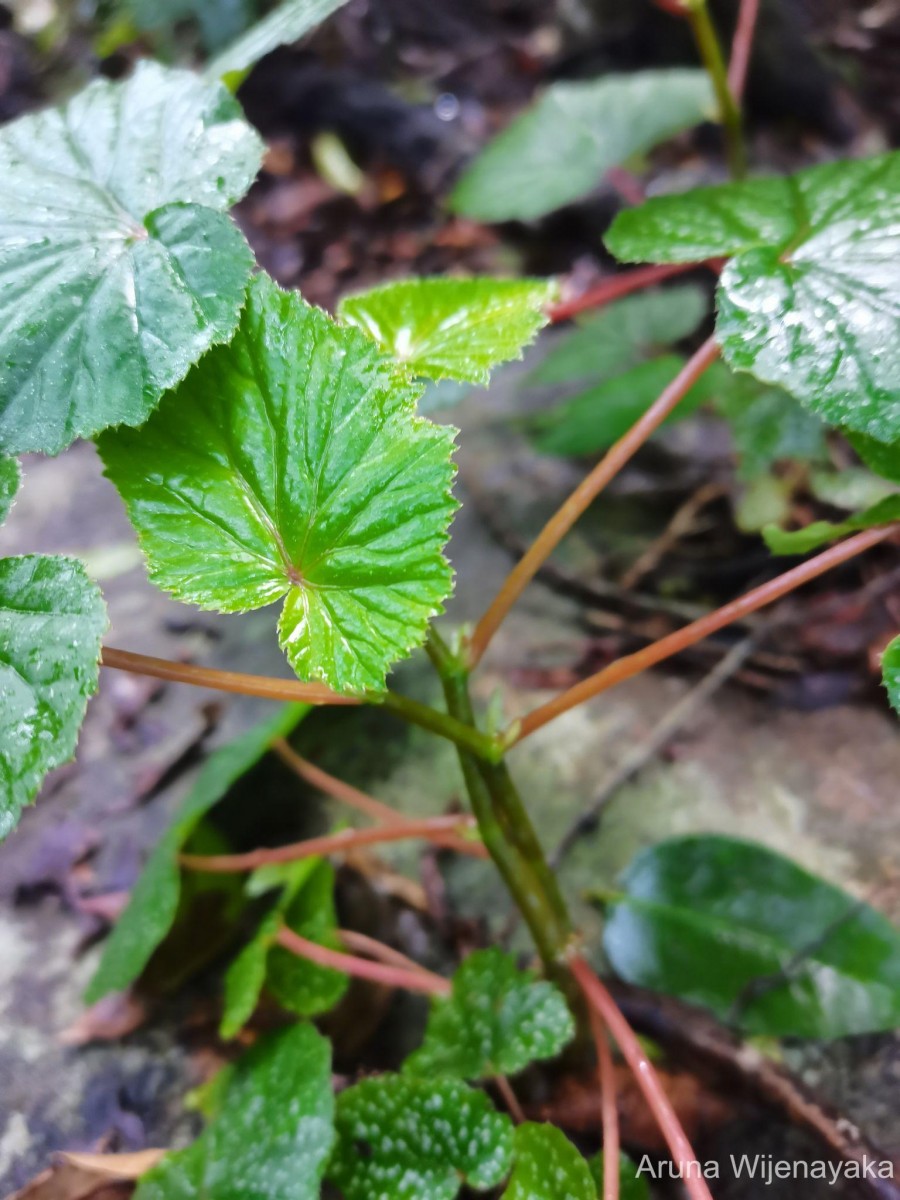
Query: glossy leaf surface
(452, 328)
(497, 1021)
(286, 23)
(52, 618)
(291, 464)
(809, 299)
(558, 150)
(271, 1134)
(763, 943)
(820, 533)
(154, 899)
(404, 1139)
(548, 1167)
(118, 265)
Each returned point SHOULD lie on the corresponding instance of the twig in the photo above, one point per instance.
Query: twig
(644, 751)
(420, 980)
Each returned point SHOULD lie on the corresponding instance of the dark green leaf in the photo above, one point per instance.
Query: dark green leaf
(52, 618)
(820, 533)
(400, 1138)
(154, 901)
(118, 268)
(497, 1021)
(810, 299)
(10, 478)
(286, 23)
(632, 1186)
(548, 1167)
(742, 930)
(452, 328)
(291, 463)
(890, 671)
(220, 21)
(622, 335)
(880, 457)
(560, 148)
(271, 1136)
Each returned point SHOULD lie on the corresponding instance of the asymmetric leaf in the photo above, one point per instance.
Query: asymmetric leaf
(452, 328)
(497, 1021)
(404, 1139)
(284, 24)
(763, 943)
(290, 463)
(548, 1167)
(890, 670)
(558, 150)
(820, 533)
(118, 267)
(154, 899)
(52, 618)
(10, 478)
(809, 299)
(271, 1134)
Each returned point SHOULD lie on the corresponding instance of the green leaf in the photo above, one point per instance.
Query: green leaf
(497, 1021)
(404, 1139)
(890, 672)
(10, 478)
(631, 1185)
(558, 150)
(622, 335)
(271, 1136)
(742, 930)
(284, 24)
(291, 463)
(154, 901)
(452, 328)
(220, 21)
(820, 533)
(880, 457)
(593, 420)
(118, 268)
(768, 426)
(548, 1167)
(246, 978)
(809, 299)
(52, 618)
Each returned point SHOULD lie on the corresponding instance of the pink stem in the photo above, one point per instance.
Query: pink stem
(742, 47)
(376, 972)
(609, 1112)
(622, 284)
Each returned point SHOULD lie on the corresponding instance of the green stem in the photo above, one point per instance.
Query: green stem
(465, 735)
(697, 13)
(505, 826)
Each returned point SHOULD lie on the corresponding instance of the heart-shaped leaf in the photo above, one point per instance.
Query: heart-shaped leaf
(763, 943)
(890, 672)
(286, 23)
(290, 463)
(271, 1134)
(153, 903)
(52, 618)
(118, 267)
(548, 1167)
(558, 150)
(809, 298)
(452, 328)
(10, 478)
(497, 1020)
(404, 1139)
(820, 533)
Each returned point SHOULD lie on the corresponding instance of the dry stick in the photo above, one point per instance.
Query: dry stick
(222, 681)
(419, 980)
(619, 285)
(586, 492)
(609, 1113)
(332, 843)
(362, 801)
(681, 524)
(647, 1079)
(632, 664)
(641, 754)
(742, 46)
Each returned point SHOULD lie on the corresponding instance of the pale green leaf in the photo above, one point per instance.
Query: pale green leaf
(118, 268)
(400, 1138)
(154, 900)
(890, 670)
(291, 464)
(548, 1167)
(497, 1020)
(768, 427)
(271, 1134)
(820, 533)
(559, 149)
(52, 618)
(809, 299)
(10, 478)
(452, 328)
(286, 23)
